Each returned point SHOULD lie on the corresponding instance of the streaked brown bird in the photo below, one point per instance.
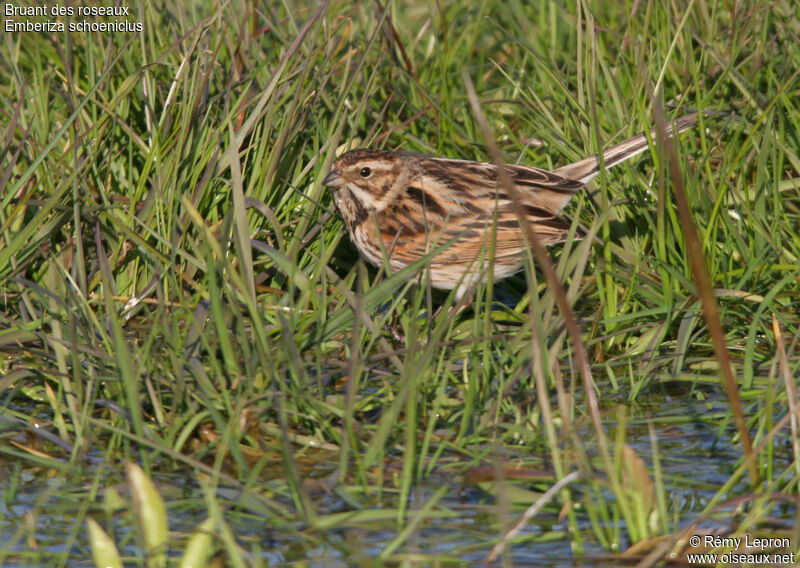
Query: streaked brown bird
(404, 205)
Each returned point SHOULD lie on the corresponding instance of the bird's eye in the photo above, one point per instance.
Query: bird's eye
(366, 172)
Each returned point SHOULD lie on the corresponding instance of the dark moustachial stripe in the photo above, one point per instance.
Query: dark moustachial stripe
(360, 212)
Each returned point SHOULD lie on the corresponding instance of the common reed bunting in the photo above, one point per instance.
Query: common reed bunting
(405, 205)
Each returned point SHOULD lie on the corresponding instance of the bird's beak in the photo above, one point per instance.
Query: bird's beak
(333, 179)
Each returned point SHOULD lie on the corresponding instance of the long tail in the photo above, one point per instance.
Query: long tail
(586, 169)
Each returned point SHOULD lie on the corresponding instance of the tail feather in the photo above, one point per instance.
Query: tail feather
(586, 169)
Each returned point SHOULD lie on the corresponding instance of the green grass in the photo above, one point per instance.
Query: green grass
(178, 291)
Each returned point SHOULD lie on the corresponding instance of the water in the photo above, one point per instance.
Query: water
(42, 511)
